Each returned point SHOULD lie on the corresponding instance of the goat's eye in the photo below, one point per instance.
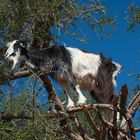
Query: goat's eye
(16, 46)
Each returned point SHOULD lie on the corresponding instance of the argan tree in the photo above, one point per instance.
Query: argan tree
(41, 24)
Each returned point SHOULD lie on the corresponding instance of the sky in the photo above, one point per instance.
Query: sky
(123, 47)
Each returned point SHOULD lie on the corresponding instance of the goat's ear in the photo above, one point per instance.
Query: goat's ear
(23, 44)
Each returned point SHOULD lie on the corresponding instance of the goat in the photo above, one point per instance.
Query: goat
(72, 68)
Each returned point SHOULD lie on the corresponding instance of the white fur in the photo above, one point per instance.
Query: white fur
(84, 63)
(15, 61)
(115, 73)
(82, 98)
(10, 48)
(70, 102)
(9, 51)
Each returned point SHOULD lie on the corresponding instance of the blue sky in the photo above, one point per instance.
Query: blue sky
(123, 47)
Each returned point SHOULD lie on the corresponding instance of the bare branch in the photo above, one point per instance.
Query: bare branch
(90, 107)
(121, 131)
(124, 93)
(114, 129)
(134, 104)
(131, 126)
(81, 130)
(137, 129)
(24, 73)
(92, 124)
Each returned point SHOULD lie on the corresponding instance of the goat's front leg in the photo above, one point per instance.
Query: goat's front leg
(81, 99)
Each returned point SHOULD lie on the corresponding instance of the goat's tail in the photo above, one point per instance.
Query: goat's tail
(118, 69)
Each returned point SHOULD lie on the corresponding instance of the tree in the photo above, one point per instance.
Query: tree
(133, 16)
(34, 21)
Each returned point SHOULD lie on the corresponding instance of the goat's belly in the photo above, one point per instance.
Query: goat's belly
(86, 82)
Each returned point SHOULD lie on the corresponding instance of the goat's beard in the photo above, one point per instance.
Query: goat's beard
(16, 64)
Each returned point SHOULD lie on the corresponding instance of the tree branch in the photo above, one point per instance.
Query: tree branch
(9, 117)
(131, 126)
(137, 129)
(90, 107)
(21, 74)
(92, 124)
(134, 104)
(59, 107)
(81, 130)
(124, 94)
(114, 129)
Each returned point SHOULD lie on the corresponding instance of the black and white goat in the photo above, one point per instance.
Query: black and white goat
(72, 68)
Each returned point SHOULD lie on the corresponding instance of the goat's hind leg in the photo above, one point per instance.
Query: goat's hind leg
(70, 101)
(81, 99)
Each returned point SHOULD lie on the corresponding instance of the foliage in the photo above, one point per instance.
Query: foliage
(34, 19)
(133, 16)
(43, 122)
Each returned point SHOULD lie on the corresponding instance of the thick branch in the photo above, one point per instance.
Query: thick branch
(21, 74)
(59, 107)
(9, 117)
(90, 107)
(124, 93)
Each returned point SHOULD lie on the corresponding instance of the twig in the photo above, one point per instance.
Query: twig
(134, 104)
(131, 126)
(33, 99)
(114, 129)
(81, 130)
(92, 124)
(137, 129)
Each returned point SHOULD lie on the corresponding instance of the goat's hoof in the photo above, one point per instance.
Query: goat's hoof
(80, 104)
(69, 106)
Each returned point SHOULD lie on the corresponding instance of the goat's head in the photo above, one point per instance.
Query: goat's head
(15, 52)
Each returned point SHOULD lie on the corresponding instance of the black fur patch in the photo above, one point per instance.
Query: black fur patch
(59, 56)
(57, 59)
(13, 54)
(19, 45)
(16, 46)
(104, 86)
